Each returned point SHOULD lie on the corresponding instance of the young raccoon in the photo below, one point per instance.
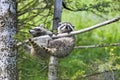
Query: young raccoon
(40, 31)
(61, 47)
(65, 27)
(36, 49)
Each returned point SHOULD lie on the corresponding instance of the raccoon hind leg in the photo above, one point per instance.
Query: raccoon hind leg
(49, 50)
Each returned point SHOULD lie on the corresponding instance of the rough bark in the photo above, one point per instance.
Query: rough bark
(52, 72)
(8, 23)
(109, 75)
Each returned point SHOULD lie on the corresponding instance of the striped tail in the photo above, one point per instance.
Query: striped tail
(44, 51)
(34, 45)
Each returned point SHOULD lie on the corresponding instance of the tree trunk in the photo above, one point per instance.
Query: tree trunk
(8, 22)
(109, 75)
(52, 72)
(57, 14)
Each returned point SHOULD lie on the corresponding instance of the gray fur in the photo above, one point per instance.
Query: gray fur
(59, 47)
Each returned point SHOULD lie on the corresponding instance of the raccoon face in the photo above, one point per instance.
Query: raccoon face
(40, 31)
(65, 28)
(36, 32)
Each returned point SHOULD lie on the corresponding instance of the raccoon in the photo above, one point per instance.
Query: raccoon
(61, 47)
(40, 31)
(36, 49)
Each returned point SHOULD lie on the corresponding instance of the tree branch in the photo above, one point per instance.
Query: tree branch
(87, 8)
(93, 74)
(80, 31)
(89, 28)
(30, 10)
(67, 8)
(96, 46)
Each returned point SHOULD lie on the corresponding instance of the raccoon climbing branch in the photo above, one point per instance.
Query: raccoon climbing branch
(89, 28)
(79, 31)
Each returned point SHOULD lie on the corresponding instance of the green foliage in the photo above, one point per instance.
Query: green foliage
(31, 68)
(80, 62)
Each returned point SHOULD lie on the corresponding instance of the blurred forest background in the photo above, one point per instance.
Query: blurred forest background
(81, 64)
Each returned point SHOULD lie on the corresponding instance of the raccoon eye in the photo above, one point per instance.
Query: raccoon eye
(36, 29)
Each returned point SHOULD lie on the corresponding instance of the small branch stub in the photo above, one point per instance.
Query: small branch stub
(2, 24)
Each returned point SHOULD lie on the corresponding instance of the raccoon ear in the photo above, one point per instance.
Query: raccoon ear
(41, 25)
(73, 26)
(59, 24)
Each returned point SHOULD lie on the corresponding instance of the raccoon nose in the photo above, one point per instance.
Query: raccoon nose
(68, 27)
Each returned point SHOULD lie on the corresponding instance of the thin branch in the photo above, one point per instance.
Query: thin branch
(30, 10)
(21, 43)
(27, 7)
(89, 28)
(67, 8)
(97, 46)
(93, 74)
(99, 15)
(86, 8)
(80, 31)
